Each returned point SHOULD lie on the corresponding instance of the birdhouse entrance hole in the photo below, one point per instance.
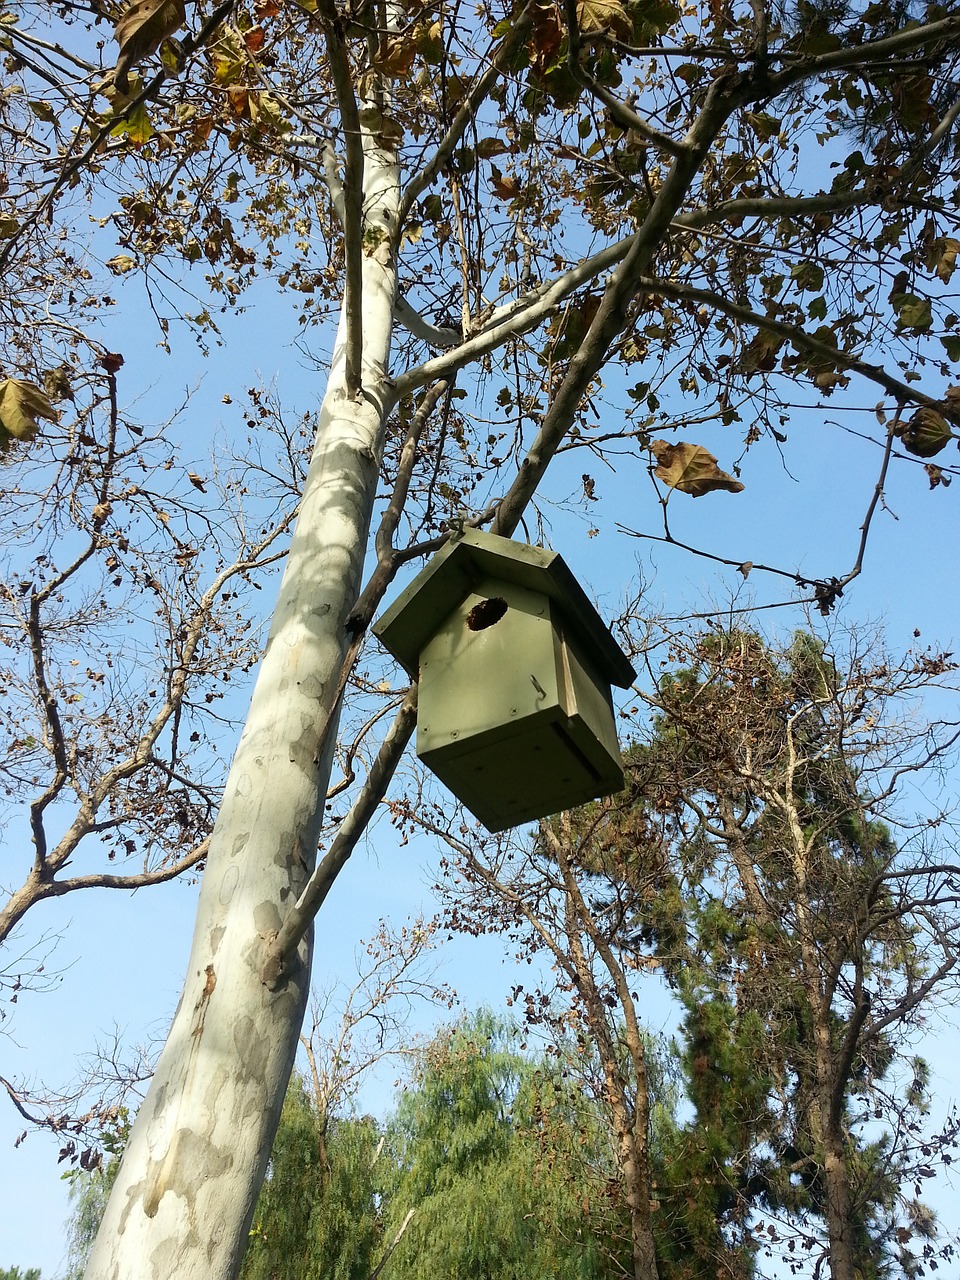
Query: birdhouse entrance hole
(486, 613)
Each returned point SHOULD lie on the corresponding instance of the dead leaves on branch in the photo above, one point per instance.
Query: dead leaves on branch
(604, 15)
(690, 468)
(600, 22)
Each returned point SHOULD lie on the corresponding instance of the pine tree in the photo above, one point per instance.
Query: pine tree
(802, 942)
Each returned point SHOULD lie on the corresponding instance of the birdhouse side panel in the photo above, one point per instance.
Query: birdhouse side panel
(586, 699)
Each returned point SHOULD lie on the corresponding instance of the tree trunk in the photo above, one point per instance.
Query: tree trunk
(189, 1179)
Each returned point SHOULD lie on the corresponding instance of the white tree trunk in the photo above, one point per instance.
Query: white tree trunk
(188, 1182)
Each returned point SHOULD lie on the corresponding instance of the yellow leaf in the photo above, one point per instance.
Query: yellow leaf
(229, 58)
(691, 469)
(947, 262)
(21, 404)
(603, 15)
(121, 264)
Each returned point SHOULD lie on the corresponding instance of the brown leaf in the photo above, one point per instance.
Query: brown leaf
(111, 361)
(142, 28)
(546, 36)
(21, 404)
(926, 434)
(397, 54)
(505, 186)
(253, 39)
(937, 475)
(691, 469)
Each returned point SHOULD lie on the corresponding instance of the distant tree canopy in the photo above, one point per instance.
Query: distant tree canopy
(766, 865)
(319, 1212)
(491, 1167)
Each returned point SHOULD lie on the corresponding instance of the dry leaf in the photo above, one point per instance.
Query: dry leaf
(505, 186)
(603, 15)
(21, 404)
(397, 54)
(926, 434)
(142, 28)
(691, 469)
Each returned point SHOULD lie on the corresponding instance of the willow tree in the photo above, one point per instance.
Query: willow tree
(511, 210)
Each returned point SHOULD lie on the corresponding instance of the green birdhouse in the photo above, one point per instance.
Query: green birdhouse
(515, 667)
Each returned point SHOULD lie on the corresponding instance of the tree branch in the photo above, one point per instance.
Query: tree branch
(804, 341)
(622, 114)
(351, 192)
(300, 916)
(467, 113)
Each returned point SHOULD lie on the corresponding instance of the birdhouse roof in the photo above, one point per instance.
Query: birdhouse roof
(454, 572)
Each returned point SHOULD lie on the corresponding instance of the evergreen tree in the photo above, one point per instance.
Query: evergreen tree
(485, 1144)
(802, 943)
(317, 1214)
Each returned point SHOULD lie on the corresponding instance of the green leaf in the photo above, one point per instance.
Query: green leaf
(137, 127)
(21, 405)
(808, 276)
(913, 312)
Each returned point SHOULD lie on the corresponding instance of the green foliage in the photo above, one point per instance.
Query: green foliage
(318, 1209)
(14, 1273)
(89, 1191)
(501, 1163)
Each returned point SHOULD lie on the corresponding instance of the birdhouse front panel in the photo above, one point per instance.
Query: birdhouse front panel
(512, 717)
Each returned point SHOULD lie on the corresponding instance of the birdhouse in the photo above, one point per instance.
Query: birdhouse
(515, 667)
